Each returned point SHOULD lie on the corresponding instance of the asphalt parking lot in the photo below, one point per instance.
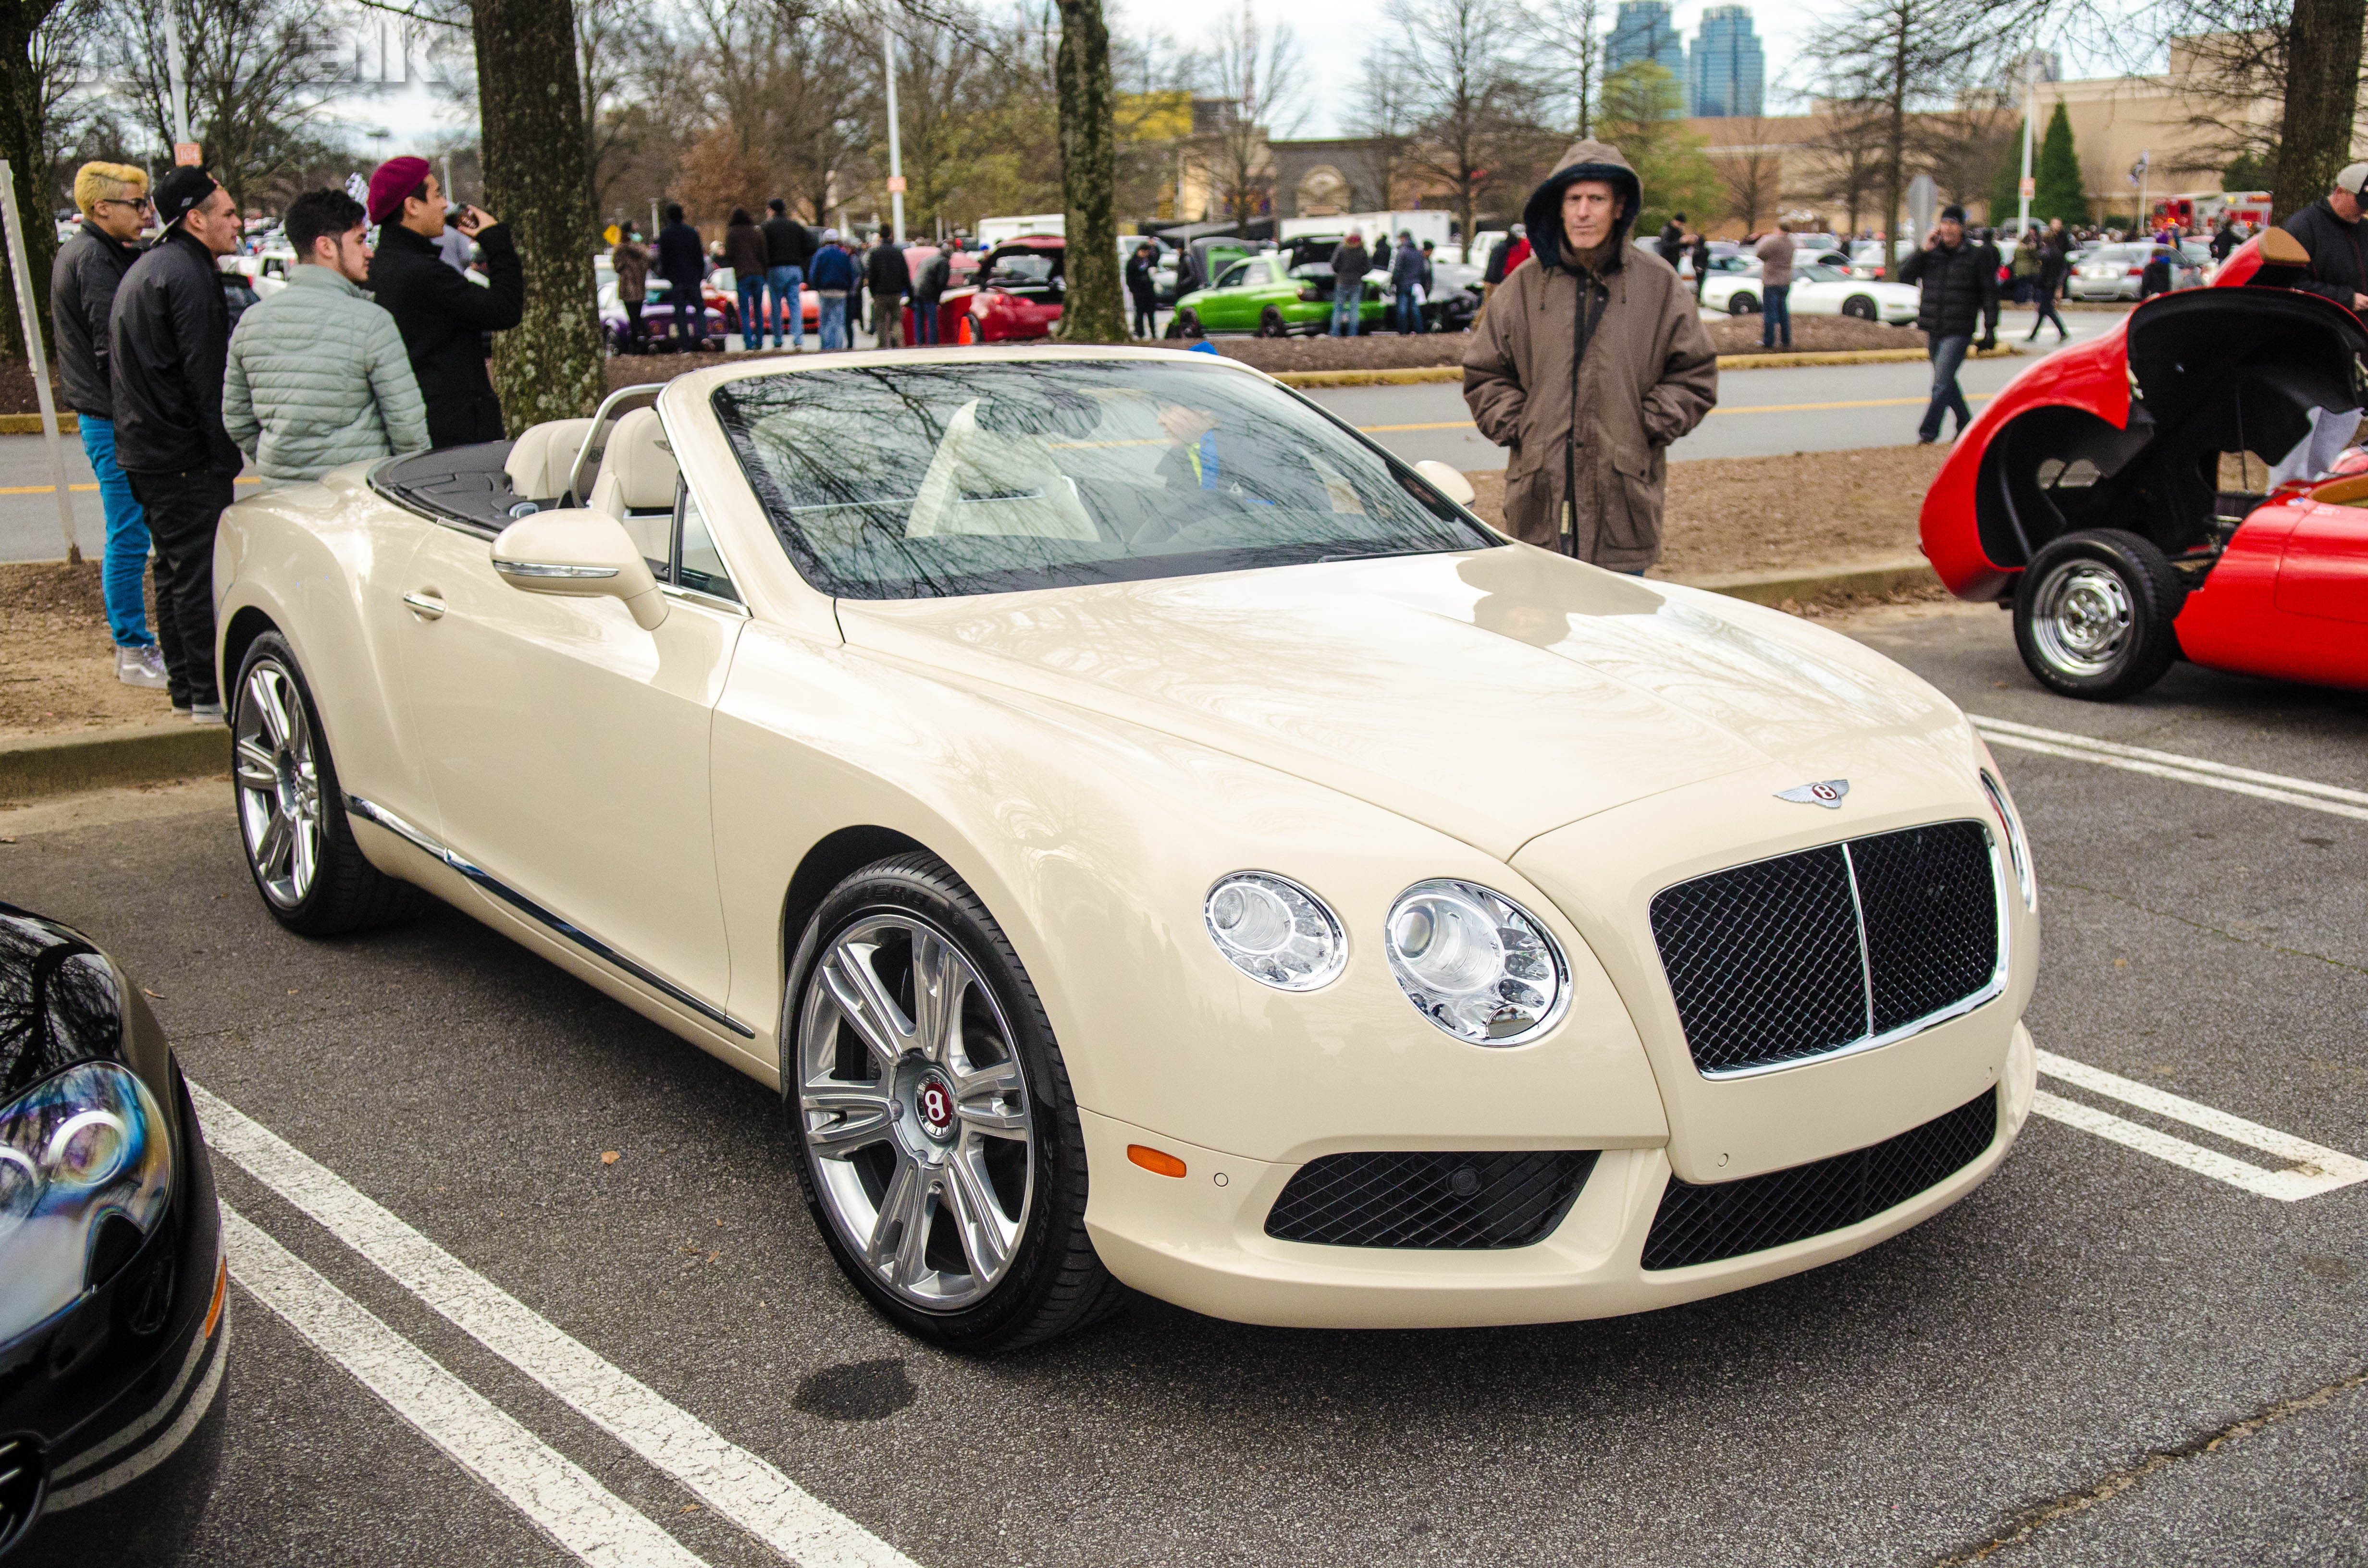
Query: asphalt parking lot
(2123, 1349)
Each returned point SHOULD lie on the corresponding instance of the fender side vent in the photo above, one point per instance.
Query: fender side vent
(1496, 1197)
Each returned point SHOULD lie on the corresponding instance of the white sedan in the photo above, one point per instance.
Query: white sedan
(1151, 837)
(1817, 290)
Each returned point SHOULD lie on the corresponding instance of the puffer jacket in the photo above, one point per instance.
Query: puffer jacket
(167, 338)
(318, 378)
(1960, 287)
(2338, 254)
(1588, 372)
(83, 281)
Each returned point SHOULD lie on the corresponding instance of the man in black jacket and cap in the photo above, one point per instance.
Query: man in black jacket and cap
(1959, 280)
(443, 316)
(2330, 229)
(168, 345)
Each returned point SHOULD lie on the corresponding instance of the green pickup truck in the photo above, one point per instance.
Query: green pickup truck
(1268, 295)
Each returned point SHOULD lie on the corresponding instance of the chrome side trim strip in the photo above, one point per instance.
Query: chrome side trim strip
(369, 811)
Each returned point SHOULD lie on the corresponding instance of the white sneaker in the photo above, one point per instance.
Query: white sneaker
(142, 667)
(207, 713)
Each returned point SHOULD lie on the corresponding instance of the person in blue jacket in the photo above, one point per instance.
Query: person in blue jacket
(833, 277)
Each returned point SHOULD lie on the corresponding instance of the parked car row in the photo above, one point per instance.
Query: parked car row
(1818, 289)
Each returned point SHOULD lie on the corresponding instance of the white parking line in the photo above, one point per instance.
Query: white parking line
(2331, 799)
(555, 1494)
(2312, 1169)
(738, 1484)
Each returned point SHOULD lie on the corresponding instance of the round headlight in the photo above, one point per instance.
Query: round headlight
(1275, 931)
(1475, 963)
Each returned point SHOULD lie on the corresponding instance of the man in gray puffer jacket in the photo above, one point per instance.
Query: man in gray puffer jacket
(318, 374)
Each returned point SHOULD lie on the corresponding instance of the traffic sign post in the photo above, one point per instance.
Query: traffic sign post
(35, 360)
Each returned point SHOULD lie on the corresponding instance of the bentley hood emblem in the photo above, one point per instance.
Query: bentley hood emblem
(1825, 792)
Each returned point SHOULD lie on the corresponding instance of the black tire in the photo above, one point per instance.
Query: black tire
(1859, 305)
(1741, 305)
(1186, 324)
(1271, 325)
(1054, 1283)
(347, 893)
(2094, 614)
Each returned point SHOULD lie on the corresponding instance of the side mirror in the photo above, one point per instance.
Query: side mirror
(580, 553)
(1445, 477)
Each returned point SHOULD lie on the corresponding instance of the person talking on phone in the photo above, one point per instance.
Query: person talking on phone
(442, 315)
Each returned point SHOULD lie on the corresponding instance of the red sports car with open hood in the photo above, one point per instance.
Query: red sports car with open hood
(1018, 293)
(2117, 494)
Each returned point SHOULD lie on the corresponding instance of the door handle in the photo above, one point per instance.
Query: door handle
(426, 606)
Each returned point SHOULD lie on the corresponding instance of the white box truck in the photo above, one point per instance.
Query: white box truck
(993, 231)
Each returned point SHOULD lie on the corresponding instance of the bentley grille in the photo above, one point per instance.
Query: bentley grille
(1703, 1224)
(1840, 946)
(1494, 1199)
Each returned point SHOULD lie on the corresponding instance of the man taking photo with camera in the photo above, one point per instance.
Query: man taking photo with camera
(443, 317)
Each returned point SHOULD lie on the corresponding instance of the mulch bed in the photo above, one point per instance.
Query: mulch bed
(1818, 334)
(17, 387)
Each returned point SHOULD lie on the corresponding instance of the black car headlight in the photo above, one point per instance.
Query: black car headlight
(86, 1176)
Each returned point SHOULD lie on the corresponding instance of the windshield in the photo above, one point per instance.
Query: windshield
(1024, 266)
(1822, 274)
(930, 480)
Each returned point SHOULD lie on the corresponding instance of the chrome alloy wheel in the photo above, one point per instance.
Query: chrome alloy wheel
(2081, 618)
(279, 785)
(915, 1111)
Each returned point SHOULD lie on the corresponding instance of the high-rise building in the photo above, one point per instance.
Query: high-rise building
(1644, 30)
(1726, 74)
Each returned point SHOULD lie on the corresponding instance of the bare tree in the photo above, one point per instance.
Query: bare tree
(1475, 97)
(2232, 57)
(1962, 146)
(1751, 170)
(1848, 167)
(42, 45)
(1258, 73)
(1888, 59)
(1389, 117)
(257, 72)
(1573, 33)
(1094, 310)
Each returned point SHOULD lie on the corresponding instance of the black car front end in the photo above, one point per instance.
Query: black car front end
(112, 1287)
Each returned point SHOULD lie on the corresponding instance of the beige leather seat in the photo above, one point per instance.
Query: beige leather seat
(539, 459)
(637, 482)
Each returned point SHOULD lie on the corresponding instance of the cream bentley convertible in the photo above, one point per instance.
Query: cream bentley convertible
(1153, 837)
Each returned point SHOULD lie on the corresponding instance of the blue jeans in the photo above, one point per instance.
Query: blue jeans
(1348, 308)
(127, 538)
(787, 308)
(1948, 353)
(1777, 304)
(1410, 314)
(752, 309)
(925, 320)
(833, 322)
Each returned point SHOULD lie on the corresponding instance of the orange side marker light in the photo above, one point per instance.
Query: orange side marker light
(1154, 1160)
(221, 1283)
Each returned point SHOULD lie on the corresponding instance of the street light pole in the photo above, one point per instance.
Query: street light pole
(177, 81)
(895, 144)
(2030, 110)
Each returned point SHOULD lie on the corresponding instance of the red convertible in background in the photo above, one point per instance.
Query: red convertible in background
(2090, 494)
(1017, 295)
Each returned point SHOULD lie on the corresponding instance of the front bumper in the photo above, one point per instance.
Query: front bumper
(1200, 1241)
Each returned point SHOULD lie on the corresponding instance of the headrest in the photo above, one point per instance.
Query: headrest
(640, 461)
(539, 459)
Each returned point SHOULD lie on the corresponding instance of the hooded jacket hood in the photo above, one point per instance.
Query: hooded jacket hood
(1587, 159)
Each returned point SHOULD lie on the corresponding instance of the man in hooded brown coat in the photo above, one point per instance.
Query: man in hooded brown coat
(1591, 361)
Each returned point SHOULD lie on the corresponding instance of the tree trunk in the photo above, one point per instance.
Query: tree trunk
(539, 181)
(2322, 95)
(29, 164)
(1094, 311)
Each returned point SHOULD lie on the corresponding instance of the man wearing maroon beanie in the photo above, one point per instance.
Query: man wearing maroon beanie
(443, 317)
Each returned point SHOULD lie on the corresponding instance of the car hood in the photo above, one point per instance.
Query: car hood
(1493, 695)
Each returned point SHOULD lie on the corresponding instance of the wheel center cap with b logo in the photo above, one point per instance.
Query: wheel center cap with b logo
(933, 1106)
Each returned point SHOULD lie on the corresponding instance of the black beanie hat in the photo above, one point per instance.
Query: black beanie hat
(180, 191)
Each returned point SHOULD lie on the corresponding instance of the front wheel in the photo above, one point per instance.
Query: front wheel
(1859, 305)
(1742, 305)
(291, 818)
(1186, 324)
(942, 1156)
(2093, 614)
(1271, 325)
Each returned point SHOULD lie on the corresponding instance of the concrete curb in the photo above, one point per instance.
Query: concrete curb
(35, 767)
(69, 424)
(1417, 375)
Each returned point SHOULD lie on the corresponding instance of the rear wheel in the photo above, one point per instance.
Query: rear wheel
(1271, 325)
(1859, 305)
(941, 1150)
(291, 818)
(1741, 305)
(1186, 324)
(2094, 613)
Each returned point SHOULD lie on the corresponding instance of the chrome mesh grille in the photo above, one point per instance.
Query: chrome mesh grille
(1427, 1200)
(1705, 1224)
(1793, 956)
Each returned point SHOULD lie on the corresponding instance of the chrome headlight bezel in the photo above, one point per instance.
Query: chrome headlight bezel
(1317, 948)
(2018, 846)
(1451, 1008)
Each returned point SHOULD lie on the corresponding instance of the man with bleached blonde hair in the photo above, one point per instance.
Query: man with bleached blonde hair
(115, 206)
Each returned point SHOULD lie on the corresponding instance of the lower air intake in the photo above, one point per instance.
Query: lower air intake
(1494, 1199)
(1705, 1224)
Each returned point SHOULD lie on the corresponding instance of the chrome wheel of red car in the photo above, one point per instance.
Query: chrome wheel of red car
(2093, 614)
